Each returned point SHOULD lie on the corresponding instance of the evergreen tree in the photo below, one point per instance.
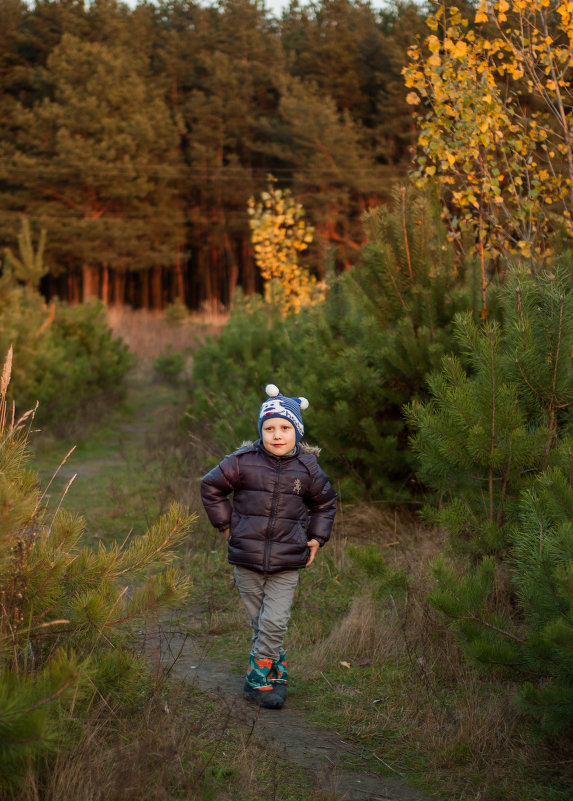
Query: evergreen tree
(99, 160)
(384, 326)
(492, 422)
(28, 266)
(64, 356)
(542, 571)
(494, 442)
(66, 608)
(332, 169)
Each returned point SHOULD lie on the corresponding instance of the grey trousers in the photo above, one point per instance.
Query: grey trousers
(267, 597)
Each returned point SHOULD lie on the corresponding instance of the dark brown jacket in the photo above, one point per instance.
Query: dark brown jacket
(279, 503)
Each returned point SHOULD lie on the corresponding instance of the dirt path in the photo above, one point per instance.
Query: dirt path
(323, 752)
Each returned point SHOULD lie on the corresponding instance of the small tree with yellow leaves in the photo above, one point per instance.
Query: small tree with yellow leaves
(495, 122)
(279, 234)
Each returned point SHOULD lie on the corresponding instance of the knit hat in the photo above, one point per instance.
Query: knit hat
(280, 406)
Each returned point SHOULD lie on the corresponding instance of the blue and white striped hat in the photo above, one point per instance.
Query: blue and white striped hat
(280, 406)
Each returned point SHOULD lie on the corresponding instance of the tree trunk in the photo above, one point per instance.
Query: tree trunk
(179, 282)
(249, 277)
(144, 283)
(233, 270)
(118, 288)
(70, 288)
(156, 288)
(89, 283)
(105, 284)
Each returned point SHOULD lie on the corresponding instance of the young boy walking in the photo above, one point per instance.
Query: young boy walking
(282, 512)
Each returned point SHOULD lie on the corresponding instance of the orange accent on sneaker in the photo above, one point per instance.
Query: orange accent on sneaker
(263, 662)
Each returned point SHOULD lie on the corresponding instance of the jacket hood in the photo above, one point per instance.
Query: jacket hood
(303, 446)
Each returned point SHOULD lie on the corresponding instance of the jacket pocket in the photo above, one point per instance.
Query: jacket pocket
(298, 534)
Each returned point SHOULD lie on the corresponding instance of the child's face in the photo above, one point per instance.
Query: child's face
(279, 436)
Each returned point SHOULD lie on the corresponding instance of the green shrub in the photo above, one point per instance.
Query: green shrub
(170, 365)
(176, 312)
(231, 371)
(66, 608)
(497, 414)
(64, 356)
(495, 444)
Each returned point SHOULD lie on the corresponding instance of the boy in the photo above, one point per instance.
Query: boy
(282, 513)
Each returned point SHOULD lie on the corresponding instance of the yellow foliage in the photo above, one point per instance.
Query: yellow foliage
(279, 233)
(504, 171)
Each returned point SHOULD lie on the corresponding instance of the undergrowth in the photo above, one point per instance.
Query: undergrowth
(370, 659)
(180, 744)
(368, 656)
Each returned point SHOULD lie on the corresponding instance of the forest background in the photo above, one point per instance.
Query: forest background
(429, 315)
(141, 133)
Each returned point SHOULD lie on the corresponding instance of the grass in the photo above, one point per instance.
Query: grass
(114, 490)
(182, 744)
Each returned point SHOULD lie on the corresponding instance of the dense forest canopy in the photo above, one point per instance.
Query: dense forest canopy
(135, 135)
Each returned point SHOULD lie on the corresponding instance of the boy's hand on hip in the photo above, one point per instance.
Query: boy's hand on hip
(314, 545)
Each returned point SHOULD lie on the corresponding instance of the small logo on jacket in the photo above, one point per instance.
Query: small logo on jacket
(297, 486)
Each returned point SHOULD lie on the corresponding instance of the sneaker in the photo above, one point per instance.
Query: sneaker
(258, 685)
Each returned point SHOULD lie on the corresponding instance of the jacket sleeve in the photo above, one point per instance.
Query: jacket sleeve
(216, 486)
(321, 501)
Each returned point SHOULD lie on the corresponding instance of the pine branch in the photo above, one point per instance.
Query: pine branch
(474, 619)
(52, 697)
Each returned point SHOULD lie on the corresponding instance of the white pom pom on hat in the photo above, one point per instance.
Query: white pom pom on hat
(272, 390)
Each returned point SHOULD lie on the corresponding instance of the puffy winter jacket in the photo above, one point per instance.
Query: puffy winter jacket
(279, 503)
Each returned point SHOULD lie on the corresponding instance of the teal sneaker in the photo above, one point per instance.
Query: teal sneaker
(279, 676)
(258, 686)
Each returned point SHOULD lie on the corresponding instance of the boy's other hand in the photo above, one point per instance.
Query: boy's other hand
(314, 545)
(226, 533)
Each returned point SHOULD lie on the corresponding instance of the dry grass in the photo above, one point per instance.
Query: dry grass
(183, 745)
(150, 333)
(465, 727)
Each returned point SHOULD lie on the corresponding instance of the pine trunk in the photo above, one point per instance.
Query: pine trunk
(179, 282)
(105, 284)
(156, 288)
(144, 284)
(233, 270)
(118, 288)
(89, 283)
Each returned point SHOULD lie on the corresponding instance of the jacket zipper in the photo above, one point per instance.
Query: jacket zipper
(271, 525)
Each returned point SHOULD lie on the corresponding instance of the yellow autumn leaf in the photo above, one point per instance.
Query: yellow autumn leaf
(480, 16)
(434, 44)
(460, 49)
(412, 98)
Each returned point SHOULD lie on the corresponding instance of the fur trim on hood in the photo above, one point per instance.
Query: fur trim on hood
(305, 447)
